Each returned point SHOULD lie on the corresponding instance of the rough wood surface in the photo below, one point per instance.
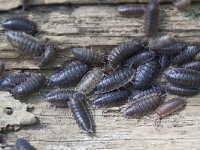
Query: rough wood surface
(101, 28)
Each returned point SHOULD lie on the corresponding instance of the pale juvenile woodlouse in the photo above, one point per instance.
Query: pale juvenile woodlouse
(119, 53)
(183, 77)
(20, 24)
(22, 144)
(184, 56)
(90, 81)
(60, 97)
(115, 98)
(145, 74)
(159, 89)
(182, 4)
(180, 91)
(159, 42)
(131, 10)
(169, 107)
(88, 56)
(69, 74)
(25, 43)
(12, 80)
(139, 58)
(140, 107)
(47, 56)
(194, 65)
(28, 87)
(115, 80)
(82, 115)
(197, 57)
(151, 18)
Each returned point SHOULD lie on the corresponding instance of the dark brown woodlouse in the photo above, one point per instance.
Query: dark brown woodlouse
(151, 18)
(160, 42)
(159, 89)
(47, 56)
(25, 4)
(28, 87)
(62, 96)
(164, 61)
(139, 58)
(82, 115)
(2, 68)
(197, 57)
(12, 80)
(145, 74)
(171, 49)
(115, 80)
(182, 91)
(194, 65)
(25, 43)
(138, 108)
(169, 107)
(183, 77)
(184, 56)
(111, 99)
(182, 4)
(119, 53)
(88, 56)
(70, 74)
(20, 24)
(22, 144)
(131, 10)
(90, 81)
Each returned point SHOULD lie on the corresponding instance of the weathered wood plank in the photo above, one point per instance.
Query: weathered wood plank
(101, 27)
(11, 4)
(97, 27)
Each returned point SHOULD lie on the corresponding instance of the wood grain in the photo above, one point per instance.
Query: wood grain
(102, 28)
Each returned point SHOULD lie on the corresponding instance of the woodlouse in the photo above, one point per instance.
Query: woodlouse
(71, 73)
(22, 144)
(184, 56)
(90, 81)
(170, 106)
(2, 68)
(171, 49)
(25, 43)
(115, 80)
(154, 89)
(139, 58)
(142, 106)
(25, 4)
(119, 53)
(82, 114)
(62, 96)
(182, 4)
(182, 91)
(194, 65)
(47, 56)
(164, 61)
(12, 80)
(151, 18)
(183, 77)
(88, 56)
(159, 42)
(28, 87)
(131, 10)
(115, 98)
(145, 74)
(20, 24)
